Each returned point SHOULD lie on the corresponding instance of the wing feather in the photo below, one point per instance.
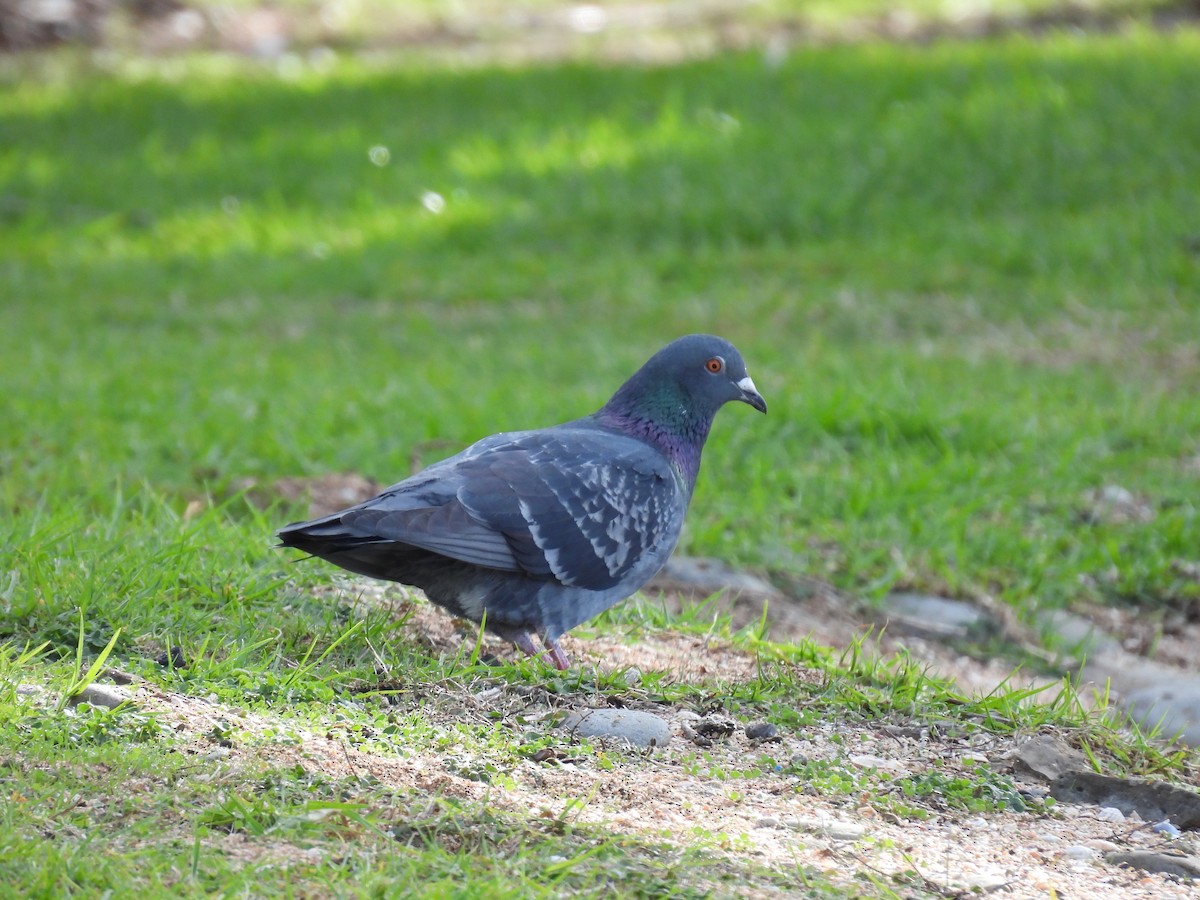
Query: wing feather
(578, 506)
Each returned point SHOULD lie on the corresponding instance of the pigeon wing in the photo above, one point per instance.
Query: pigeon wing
(582, 508)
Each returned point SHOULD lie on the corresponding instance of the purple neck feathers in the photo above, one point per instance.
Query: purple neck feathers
(681, 442)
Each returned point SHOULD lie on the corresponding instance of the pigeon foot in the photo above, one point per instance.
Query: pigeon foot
(557, 656)
(553, 653)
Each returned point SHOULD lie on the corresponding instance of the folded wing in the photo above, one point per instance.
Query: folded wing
(580, 507)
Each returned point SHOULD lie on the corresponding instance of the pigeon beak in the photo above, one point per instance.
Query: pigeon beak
(751, 395)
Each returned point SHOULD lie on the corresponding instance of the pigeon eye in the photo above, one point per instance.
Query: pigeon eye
(715, 365)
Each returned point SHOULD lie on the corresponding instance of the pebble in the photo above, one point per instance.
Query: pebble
(762, 731)
(1165, 828)
(1149, 861)
(869, 761)
(839, 831)
(1110, 814)
(107, 695)
(639, 729)
(716, 726)
(172, 660)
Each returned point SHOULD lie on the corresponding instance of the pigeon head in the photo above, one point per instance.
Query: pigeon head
(672, 399)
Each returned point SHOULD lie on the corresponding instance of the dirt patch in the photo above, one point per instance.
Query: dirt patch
(735, 797)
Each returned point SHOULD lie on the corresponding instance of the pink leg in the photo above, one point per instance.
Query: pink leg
(553, 652)
(524, 642)
(556, 653)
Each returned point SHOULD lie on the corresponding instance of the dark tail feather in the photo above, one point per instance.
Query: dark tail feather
(328, 538)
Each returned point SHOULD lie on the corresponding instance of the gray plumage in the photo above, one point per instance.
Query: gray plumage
(535, 532)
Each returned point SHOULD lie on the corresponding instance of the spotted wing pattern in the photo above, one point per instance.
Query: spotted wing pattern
(582, 507)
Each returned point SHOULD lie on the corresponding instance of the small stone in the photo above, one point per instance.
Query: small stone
(691, 734)
(762, 731)
(839, 831)
(1165, 828)
(1048, 758)
(987, 882)
(1110, 814)
(938, 618)
(108, 696)
(1080, 634)
(716, 726)
(697, 575)
(1149, 861)
(879, 763)
(639, 729)
(172, 660)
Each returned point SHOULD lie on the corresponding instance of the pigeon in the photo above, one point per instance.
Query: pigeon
(535, 532)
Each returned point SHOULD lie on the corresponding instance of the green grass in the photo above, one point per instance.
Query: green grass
(964, 276)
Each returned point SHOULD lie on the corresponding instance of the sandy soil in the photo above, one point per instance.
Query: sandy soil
(662, 794)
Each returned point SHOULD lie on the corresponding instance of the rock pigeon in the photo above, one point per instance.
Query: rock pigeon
(535, 532)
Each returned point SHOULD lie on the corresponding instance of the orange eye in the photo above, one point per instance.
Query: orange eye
(715, 365)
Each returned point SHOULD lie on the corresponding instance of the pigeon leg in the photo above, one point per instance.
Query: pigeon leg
(524, 643)
(556, 653)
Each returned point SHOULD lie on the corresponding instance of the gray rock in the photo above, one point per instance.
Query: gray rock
(1149, 861)
(1166, 828)
(1172, 706)
(937, 618)
(1080, 635)
(639, 729)
(1072, 780)
(1048, 758)
(1126, 672)
(110, 696)
(699, 575)
(762, 731)
(1152, 800)
(839, 831)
